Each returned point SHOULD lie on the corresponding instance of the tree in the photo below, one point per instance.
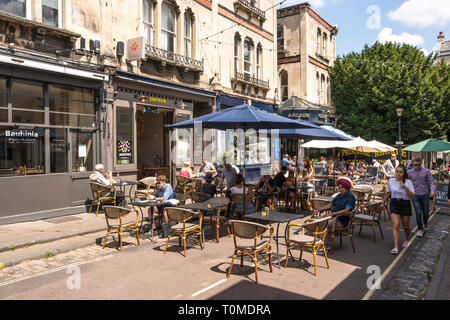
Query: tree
(367, 87)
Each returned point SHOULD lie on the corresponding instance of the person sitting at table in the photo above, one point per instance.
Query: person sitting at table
(289, 184)
(240, 189)
(166, 196)
(265, 187)
(340, 206)
(207, 186)
(207, 167)
(326, 170)
(305, 185)
(186, 171)
(280, 177)
(228, 174)
(308, 165)
(107, 181)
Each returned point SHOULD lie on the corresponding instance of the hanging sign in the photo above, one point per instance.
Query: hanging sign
(135, 49)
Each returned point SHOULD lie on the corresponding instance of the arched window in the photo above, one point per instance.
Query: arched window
(259, 61)
(168, 27)
(322, 85)
(284, 87)
(324, 43)
(318, 40)
(188, 31)
(328, 91)
(147, 18)
(318, 87)
(248, 48)
(237, 52)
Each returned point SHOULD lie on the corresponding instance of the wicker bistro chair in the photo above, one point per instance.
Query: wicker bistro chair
(199, 196)
(118, 214)
(217, 218)
(238, 198)
(181, 197)
(347, 231)
(150, 187)
(101, 195)
(310, 236)
(184, 184)
(247, 231)
(316, 204)
(183, 227)
(370, 218)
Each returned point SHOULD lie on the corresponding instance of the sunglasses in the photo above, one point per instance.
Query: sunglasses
(417, 165)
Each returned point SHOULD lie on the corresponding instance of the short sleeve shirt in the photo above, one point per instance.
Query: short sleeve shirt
(340, 202)
(207, 167)
(396, 191)
(230, 176)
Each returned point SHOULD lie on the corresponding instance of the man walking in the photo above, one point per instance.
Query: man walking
(422, 179)
(389, 167)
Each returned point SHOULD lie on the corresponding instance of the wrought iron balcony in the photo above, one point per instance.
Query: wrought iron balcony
(173, 58)
(250, 7)
(246, 78)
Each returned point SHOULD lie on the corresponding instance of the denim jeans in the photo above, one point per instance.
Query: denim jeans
(422, 207)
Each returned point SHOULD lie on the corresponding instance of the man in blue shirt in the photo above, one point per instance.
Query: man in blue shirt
(163, 194)
(285, 161)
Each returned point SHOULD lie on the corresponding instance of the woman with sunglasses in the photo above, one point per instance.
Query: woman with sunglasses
(401, 191)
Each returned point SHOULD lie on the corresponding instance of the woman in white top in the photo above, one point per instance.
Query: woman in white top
(401, 191)
(239, 188)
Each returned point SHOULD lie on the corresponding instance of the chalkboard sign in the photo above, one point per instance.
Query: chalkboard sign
(441, 196)
(318, 167)
(372, 171)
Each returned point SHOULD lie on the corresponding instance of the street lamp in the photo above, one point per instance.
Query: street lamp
(399, 142)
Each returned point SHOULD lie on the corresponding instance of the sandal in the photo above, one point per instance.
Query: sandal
(394, 251)
(406, 244)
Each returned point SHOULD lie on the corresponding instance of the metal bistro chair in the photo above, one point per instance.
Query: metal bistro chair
(217, 217)
(238, 199)
(184, 184)
(119, 213)
(183, 227)
(309, 236)
(245, 230)
(370, 218)
(347, 231)
(101, 195)
(316, 204)
(150, 187)
(199, 196)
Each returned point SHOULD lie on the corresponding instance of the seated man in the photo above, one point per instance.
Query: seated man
(166, 196)
(228, 174)
(340, 206)
(207, 186)
(107, 181)
(207, 167)
(264, 189)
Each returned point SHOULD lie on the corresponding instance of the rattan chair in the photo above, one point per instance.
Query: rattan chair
(181, 197)
(150, 187)
(371, 217)
(183, 226)
(238, 199)
(184, 184)
(101, 195)
(347, 231)
(199, 196)
(309, 236)
(316, 204)
(216, 217)
(118, 214)
(245, 231)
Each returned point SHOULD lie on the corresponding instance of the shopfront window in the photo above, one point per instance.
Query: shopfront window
(58, 150)
(3, 101)
(82, 151)
(22, 150)
(183, 140)
(27, 101)
(71, 106)
(124, 135)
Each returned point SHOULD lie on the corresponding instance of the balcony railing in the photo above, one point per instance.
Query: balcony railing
(173, 58)
(251, 7)
(245, 77)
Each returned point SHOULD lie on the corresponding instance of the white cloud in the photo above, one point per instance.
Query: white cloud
(313, 3)
(386, 35)
(421, 13)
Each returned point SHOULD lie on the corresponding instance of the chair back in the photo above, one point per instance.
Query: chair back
(181, 197)
(238, 198)
(199, 196)
(374, 209)
(317, 228)
(178, 215)
(247, 230)
(223, 202)
(149, 181)
(316, 204)
(114, 212)
(182, 179)
(98, 190)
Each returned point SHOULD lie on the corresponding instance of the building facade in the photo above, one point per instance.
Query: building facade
(306, 49)
(442, 48)
(85, 82)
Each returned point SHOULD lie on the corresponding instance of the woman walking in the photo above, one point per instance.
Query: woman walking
(401, 191)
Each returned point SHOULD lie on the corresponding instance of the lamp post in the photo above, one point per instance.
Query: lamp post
(399, 142)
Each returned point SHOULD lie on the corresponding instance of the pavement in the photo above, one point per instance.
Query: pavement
(422, 273)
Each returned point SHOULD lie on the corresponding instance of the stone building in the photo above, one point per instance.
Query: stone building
(442, 48)
(306, 48)
(86, 82)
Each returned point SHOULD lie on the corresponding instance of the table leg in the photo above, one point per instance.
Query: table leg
(278, 254)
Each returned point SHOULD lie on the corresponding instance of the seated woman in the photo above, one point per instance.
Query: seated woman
(289, 184)
(264, 190)
(239, 189)
(186, 171)
(305, 189)
(326, 171)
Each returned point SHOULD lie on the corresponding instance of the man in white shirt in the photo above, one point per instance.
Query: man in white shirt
(207, 167)
(105, 180)
(389, 167)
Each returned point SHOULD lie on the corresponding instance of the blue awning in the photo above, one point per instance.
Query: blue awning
(224, 101)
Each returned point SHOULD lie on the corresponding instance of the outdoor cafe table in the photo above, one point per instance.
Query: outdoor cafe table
(278, 217)
(146, 203)
(122, 185)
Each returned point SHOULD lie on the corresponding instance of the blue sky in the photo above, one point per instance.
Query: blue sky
(416, 22)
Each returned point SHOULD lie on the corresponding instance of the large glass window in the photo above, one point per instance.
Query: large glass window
(148, 21)
(187, 34)
(183, 139)
(71, 106)
(168, 28)
(27, 102)
(3, 101)
(15, 7)
(22, 150)
(82, 151)
(124, 135)
(247, 58)
(51, 12)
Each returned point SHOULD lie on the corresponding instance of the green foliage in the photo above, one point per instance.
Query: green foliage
(367, 87)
